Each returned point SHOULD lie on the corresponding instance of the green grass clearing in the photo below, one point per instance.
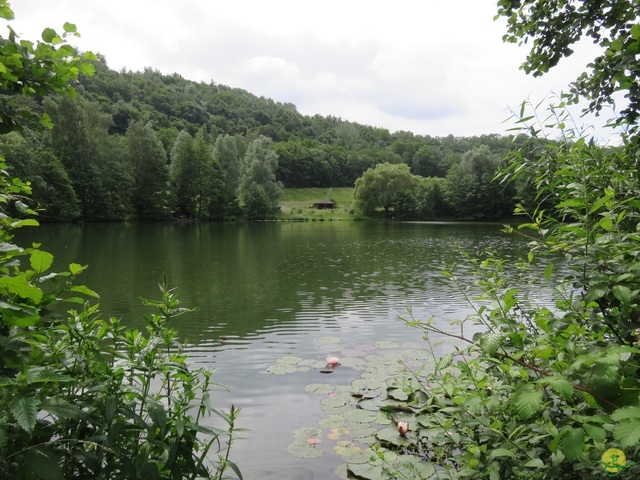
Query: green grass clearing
(297, 204)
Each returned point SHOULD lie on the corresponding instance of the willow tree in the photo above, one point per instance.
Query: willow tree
(379, 187)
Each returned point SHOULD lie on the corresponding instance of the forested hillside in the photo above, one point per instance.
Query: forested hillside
(148, 146)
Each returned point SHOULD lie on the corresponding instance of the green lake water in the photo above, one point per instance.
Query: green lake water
(264, 291)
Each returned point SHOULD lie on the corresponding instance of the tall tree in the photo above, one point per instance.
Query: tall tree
(225, 151)
(471, 190)
(210, 179)
(380, 187)
(91, 157)
(259, 191)
(148, 162)
(183, 175)
(51, 186)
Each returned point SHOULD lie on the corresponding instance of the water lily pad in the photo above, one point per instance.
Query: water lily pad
(363, 456)
(332, 421)
(360, 430)
(346, 389)
(386, 345)
(391, 435)
(341, 471)
(360, 416)
(383, 419)
(367, 394)
(313, 440)
(304, 450)
(412, 466)
(417, 354)
(398, 394)
(368, 440)
(319, 388)
(281, 368)
(336, 433)
(290, 360)
(366, 384)
(365, 347)
(329, 340)
(302, 434)
(353, 362)
(366, 471)
(312, 363)
(372, 405)
(346, 449)
(335, 401)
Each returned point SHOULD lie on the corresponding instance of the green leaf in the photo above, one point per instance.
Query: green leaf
(75, 268)
(20, 286)
(25, 411)
(83, 289)
(625, 413)
(367, 471)
(572, 202)
(41, 261)
(62, 408)
(606, 223)
(502, 452)
(70, 27)
(444, 361)
(572, 444)
(43, 463)
(596, 432)
(627, 432)
(6, 12)
(535, 463)
(547, 272)
(490, 343)
(528, 402)
(623, 293)
(561, 386)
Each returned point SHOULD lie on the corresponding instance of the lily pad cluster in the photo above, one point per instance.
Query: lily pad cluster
(361, 421)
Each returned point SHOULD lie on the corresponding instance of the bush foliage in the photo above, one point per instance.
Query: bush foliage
(547, 386)
(84, 397)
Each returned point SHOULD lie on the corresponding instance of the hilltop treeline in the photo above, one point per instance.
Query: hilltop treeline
(147, 145)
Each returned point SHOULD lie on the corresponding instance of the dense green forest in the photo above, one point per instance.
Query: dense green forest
(150, 146)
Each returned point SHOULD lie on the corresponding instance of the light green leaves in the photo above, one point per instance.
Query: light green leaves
(527, 402)
(627, 427)
(40, 261)
(560, 385)
(19, 286)
(490, 342)
(572, 443)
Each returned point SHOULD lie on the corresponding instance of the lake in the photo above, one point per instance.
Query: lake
(264, 291)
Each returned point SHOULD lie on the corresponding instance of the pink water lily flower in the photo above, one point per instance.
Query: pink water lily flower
(403, 428)
(332, 360)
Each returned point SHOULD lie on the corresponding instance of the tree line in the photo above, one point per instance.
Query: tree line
(147, 145)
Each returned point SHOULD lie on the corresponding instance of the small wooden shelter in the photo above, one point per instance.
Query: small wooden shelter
(326, 204)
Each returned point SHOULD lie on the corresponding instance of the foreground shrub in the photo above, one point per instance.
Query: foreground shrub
(537, 387)
(85, 397)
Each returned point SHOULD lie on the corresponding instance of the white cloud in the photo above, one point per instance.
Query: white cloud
(427, 66)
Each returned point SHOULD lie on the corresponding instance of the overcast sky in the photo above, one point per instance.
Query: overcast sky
(432, 67)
